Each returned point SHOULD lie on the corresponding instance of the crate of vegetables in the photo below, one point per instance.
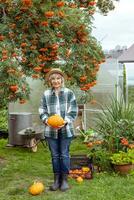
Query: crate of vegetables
(79, 161)
(81, 174)
(81, 167)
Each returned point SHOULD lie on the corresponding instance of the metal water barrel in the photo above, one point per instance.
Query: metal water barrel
(17, 122)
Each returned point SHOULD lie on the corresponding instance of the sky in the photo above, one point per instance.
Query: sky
(117, 27)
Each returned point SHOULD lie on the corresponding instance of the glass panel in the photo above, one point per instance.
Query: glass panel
(107, 86)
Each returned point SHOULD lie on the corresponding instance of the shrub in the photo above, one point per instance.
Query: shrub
(3, 120)
(115, 123)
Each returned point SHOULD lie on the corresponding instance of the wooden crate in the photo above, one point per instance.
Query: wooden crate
(79, 161)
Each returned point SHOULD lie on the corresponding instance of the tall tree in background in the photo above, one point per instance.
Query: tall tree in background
(37, 35)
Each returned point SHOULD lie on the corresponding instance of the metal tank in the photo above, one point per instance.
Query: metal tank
(17, 122)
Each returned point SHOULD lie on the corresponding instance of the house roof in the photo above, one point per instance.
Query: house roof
(127, 56)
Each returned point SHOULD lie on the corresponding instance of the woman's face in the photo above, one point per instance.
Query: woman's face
(56, 80)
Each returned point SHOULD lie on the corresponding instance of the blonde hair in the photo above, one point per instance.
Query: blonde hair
(53, 75)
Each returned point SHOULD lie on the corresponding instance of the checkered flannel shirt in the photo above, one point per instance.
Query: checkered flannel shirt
(65, 104)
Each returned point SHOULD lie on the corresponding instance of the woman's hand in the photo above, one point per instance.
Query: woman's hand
(45, 122)
(65, 123)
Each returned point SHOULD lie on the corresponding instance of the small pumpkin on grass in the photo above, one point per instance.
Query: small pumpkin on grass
(79, 179)
(36, 188)
(55, 121)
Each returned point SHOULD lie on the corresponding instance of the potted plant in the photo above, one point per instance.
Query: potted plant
(123, 162)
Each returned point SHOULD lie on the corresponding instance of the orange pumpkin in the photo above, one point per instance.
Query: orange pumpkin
(79, 179)
(55, 121)
(36, 188)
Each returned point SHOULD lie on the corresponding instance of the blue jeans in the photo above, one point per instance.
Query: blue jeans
(59, 149)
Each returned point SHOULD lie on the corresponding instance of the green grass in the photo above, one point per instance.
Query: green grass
(19, 167)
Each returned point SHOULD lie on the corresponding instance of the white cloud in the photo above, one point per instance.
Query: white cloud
(117, 27)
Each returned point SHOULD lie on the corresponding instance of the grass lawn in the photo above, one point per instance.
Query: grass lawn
(19, 168)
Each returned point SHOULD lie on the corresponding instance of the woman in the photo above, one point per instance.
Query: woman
(59, 100)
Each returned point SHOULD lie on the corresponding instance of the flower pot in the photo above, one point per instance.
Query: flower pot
(123, 169)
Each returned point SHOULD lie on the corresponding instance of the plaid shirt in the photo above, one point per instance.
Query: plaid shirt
(63, 104)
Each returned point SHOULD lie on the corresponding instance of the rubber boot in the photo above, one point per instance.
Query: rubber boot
(56, 185)
(64, 183)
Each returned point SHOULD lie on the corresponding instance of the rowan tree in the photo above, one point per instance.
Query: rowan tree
(37, 35)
